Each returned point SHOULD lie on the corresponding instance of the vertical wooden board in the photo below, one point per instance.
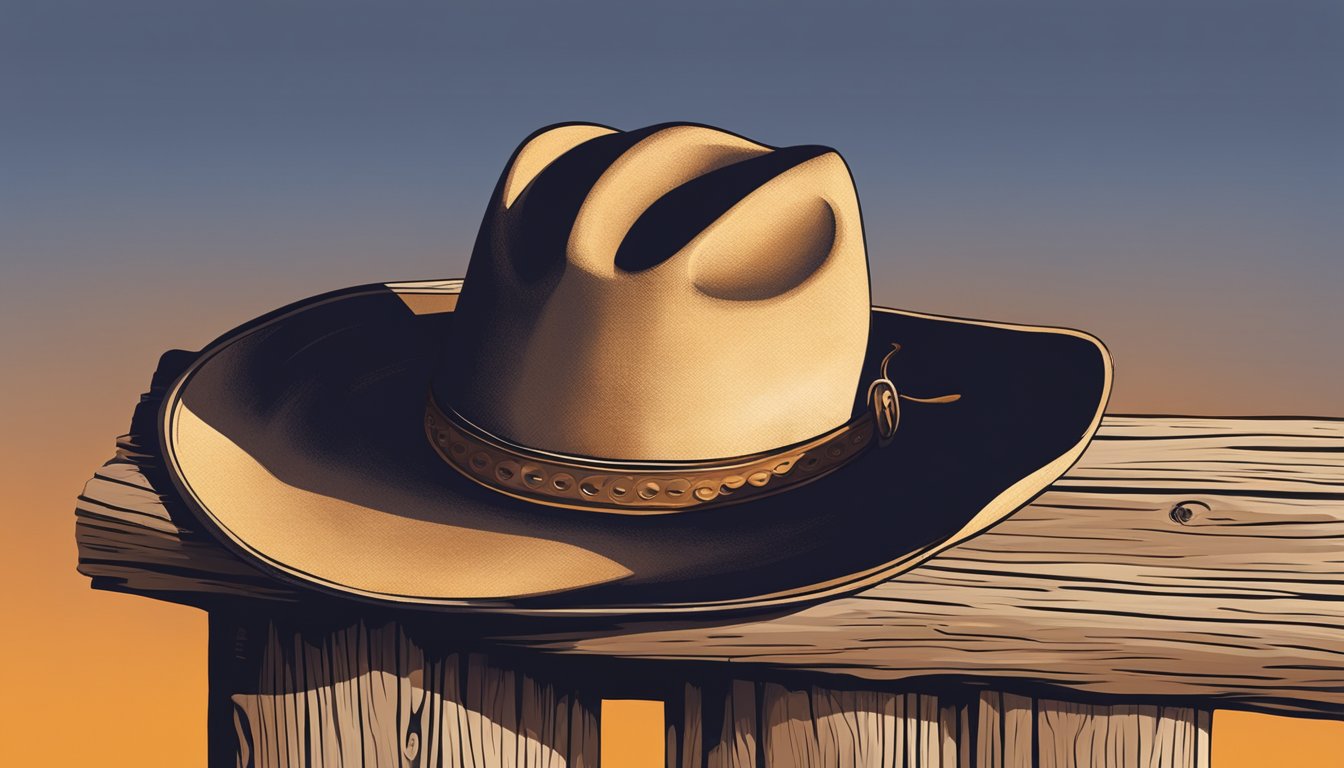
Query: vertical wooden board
(500, 708)
(364, 693)
(354, 643)
(346, 670)
(477, 739)
(868, 726)
(671, 746)
(846, 727)
(889, 719)
(914, 731)
(242, 718)
(379, 701)
(431, 742)
(1203, 738)
(1057, 726)
(893, 751)
(989, 730)
(864, 727)
(1090, 730)
(451, 715)
(1125, 720)
(964, 753)
(1110, 738)
(949, 734)
(737, 741)
(1170, 741)
(504, 712)
(535, 722)
(832, 721)
(788, 731)
(286, 745)
(279, 707)
(347, 652)
(563, 702)
(1019, 731)
(1177, 737)
(692, 728)
(554, 740)
(411, 698)
(930, 732)
(746, 723)
(449, 738)
(1107, 736)
(1146, 720)
(585, 744)
(314, 684)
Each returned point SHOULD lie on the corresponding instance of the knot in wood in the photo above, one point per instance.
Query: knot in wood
(1184, 511)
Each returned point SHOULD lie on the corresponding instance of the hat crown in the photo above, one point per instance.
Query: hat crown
(672, 293)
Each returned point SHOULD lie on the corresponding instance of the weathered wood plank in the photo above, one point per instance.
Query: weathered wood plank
(1096, 595)
(370, 695)
(1187, 557)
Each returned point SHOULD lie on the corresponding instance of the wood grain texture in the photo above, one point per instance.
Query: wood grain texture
(287, 693)
(370, 695)
(1097, 587)
(1193, 558)
(817, 726)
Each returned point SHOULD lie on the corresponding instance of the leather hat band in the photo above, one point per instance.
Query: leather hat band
(661, 487)
(637, 488)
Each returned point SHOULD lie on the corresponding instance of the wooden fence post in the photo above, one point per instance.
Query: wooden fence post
(369, 694)
(372, 694)
(742, 724)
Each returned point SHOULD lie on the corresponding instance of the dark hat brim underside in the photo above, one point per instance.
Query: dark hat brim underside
(316, 466)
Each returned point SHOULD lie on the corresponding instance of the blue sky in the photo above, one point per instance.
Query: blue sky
(1165, 174)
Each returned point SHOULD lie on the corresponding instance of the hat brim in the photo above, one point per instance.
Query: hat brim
(298, 439)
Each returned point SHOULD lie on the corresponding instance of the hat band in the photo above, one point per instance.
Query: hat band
(637, 488)
(662, 487)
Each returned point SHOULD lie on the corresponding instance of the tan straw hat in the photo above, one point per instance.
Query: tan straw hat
(661, 387)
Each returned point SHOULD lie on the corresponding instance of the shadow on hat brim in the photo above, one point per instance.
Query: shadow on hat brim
(299, 440)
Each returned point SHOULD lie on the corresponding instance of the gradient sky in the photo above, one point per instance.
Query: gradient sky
(1167, 175)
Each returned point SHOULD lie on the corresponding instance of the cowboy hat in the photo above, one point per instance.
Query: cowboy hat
(660, 387)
